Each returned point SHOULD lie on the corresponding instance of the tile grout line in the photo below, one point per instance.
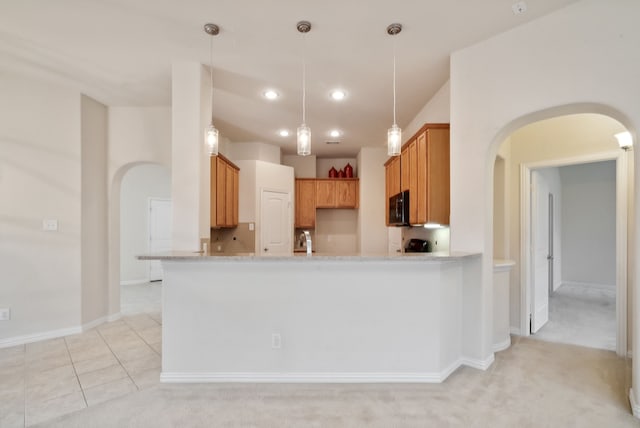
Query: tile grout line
(73, 364)
(143, 339)
(118, 359)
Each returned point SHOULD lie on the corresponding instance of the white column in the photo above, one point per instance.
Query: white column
(190, 163)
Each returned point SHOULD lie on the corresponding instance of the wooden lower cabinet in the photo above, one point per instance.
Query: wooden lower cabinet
(305, 203)
(224, 193)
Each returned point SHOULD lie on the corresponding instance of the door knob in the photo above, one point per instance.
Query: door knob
(266, 249)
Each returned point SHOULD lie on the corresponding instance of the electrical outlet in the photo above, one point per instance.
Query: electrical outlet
(518, 8)
(252, 226)
(5, 314)
(50, 225)
(276, 341)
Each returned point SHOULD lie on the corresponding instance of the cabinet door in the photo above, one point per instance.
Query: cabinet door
(236, 193)
(325, 193)
(305, 204)
(221, 192)
(405, 162)
(421, 180)
(347, 193)
(438, 181)
(414, 192)
(229, 199)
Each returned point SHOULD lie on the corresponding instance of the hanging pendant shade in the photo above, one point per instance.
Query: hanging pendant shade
(304, 132)
(394, 134)
(210, 132)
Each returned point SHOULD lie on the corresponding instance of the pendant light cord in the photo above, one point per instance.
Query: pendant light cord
(304, 78)
(211, 73)
(394, 81)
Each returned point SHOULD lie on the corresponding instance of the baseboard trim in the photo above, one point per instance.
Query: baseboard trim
(309, 377)
(515, 331)
(135, 281)
(54, 334)
(590, 285)
(478, 364)
(635, 406)
(497, 347)
(36, 337)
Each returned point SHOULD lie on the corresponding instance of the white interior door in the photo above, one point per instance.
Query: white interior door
(159, 233)
(275, 223)
(540, 251)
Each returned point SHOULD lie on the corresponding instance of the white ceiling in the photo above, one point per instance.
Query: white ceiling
(120, 52)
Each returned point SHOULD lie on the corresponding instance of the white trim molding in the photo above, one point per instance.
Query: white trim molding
(478, 364)
(620, 157)
(501, 346)
(635, 406)
(515, 331)
(310, 377)
(54, 334)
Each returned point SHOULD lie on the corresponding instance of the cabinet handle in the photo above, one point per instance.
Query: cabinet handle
(266, 249)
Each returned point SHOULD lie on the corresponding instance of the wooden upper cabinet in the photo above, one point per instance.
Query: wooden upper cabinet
(305, 203)
(392, 169)
(325, 193)
(423, 170)
(347, 193)
(405, 162)
(224, 177)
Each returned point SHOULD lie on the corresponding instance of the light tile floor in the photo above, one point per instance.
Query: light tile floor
(43, 380)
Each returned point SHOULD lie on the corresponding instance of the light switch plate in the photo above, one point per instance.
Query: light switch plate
(50, 224)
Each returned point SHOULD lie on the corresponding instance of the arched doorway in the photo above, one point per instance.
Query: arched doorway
(555, 141)
(135, 188)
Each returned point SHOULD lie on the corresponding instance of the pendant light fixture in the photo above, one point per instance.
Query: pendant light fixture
(210, 132)
(304, 132)
(394, 134)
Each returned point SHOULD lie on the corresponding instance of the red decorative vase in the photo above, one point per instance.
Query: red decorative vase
(341, 174)
(333, 173)
(348, 171)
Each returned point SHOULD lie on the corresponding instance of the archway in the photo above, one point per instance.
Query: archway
(150, 179)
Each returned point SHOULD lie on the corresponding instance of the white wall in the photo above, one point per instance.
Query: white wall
(190, 162)
(40, 152)
(255, 176)
(372, 231)
(303, 166)
(589, 224)
(582, 58)
(136, 135)
(435, 111)
(138, 185)
(94, 197)
(253, 151)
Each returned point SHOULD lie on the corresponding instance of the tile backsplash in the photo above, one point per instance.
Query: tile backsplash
(237, 240)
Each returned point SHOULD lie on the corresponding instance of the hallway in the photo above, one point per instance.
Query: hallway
(580, 315)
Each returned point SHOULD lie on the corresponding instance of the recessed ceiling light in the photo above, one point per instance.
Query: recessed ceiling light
(338, 94)
(335, 133)
(270, 94)
(283, 132)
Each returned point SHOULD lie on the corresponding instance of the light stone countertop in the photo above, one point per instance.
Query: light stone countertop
(302, 257)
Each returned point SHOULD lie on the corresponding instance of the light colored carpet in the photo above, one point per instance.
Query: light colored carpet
(531, 384)
(581, 315)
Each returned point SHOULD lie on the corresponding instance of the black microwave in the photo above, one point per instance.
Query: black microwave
(399, 209)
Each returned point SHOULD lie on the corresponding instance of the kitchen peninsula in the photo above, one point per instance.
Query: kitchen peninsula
(320, 318)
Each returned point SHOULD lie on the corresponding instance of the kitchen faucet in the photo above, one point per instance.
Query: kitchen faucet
(306, 236)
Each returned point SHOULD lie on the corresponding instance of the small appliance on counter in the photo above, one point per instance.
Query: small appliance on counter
(418, 246)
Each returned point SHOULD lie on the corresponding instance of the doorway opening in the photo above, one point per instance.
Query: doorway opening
(145, 226)
(562, 142)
